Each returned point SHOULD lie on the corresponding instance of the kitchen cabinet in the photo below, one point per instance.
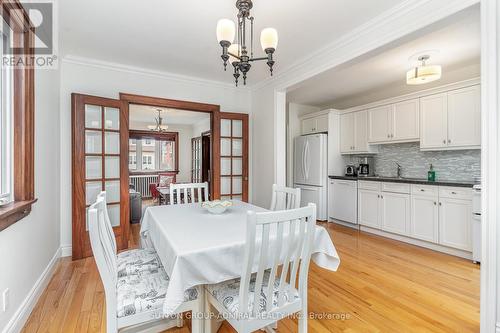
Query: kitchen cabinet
(343, 197)
(369, 208)
(353, 133)
(451, 120)
(424, 217)
(395, 212)
(316, 124)
(455, 223)
(394, 123)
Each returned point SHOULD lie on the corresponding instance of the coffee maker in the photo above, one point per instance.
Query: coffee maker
(365, 167)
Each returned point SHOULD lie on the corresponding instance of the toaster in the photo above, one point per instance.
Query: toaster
(350, 170)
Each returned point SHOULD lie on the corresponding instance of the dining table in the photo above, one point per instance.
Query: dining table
(198, 248)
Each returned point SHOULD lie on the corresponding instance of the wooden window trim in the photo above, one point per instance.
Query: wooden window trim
(23, 113)
(164, 136)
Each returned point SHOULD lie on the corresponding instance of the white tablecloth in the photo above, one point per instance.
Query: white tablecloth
(198, 248)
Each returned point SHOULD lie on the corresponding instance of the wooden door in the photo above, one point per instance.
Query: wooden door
(99, 162)
(433, 121)
(405, 121)
(347, 133)
(233, 148)
(378, 124)
(464, 117)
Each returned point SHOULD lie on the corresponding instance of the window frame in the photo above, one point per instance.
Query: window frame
(23, 87)
(157, 136)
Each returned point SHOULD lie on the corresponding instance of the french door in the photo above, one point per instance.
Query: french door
(99, 145)
(233, 156)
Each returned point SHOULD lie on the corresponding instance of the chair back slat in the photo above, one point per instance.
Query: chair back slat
(285, 198)
(282, 240)
(185, 193)
(109, 227)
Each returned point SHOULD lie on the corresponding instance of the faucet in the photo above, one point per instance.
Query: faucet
(400, 169)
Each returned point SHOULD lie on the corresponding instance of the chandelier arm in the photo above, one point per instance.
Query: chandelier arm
(233, 55)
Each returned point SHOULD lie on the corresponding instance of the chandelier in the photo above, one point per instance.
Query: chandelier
(238, 53)
(423, 73)
(158, 127)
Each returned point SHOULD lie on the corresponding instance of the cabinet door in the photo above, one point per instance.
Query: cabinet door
(464, 117)
(424, 218)
(361, 131)
(308, 125)
(347, 133)
(405, 121)
(379, 124)
(433, 121)
(455, 223)
(368, 208)
(321, 124)
(395, 212)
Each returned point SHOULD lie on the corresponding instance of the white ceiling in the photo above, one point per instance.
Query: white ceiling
(382, 74)
(179, 36)
(141, 114)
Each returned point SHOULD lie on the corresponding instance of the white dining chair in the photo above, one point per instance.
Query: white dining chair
(285, 198)
(188, 192)
(283, 241)
(135, 300)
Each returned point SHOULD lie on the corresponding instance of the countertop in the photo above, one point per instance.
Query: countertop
(457, 183)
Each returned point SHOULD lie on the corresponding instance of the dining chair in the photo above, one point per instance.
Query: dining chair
(132, 300)
(188, 192)
(283, 241)
(285, 198)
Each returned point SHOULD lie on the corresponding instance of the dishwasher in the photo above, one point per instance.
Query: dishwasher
(343, 200)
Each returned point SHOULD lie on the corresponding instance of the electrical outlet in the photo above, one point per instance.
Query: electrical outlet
(5, 300)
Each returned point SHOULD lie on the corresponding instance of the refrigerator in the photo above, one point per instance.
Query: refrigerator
(311, 171)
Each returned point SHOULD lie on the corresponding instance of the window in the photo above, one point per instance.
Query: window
(17, 103)
(155, 152)
(6, 126)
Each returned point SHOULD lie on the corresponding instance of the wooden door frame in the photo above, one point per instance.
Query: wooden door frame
(212, 109)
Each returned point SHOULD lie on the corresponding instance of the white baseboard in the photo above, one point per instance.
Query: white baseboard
(66, 250)
(22, 314)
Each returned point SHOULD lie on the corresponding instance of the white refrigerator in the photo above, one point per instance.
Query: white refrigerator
(311, 171)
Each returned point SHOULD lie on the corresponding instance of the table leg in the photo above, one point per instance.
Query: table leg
(198, 315)
(212, 325)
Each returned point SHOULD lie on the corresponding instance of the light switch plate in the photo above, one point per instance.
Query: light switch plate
(5, 300)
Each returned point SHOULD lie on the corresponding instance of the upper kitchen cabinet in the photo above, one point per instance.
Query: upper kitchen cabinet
(354, 133)
(451, 120)
(314, 124)
(394, 123)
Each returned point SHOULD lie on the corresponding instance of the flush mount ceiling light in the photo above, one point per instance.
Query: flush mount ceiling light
(159, 127)
(423, 73)
(238, 53)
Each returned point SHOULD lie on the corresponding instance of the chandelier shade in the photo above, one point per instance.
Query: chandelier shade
(225, 30)
(269, 39)
(424, 73)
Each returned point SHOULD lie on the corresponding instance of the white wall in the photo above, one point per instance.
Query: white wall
(294, 112)
(28, 246)
(200, 127)
(108, 80)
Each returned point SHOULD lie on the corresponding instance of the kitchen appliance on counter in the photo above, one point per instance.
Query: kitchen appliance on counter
(350, 170)
(476, 223)
(365, 167)
(311, 171)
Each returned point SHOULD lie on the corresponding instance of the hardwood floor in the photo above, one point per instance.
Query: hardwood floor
(381, 286)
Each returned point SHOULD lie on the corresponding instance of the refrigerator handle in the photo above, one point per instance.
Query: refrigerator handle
(306, 161)
(303, 161)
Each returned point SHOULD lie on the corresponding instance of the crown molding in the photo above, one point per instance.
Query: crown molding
(398, 21)
(84, 61)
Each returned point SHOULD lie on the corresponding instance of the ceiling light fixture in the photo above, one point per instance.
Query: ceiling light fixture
(424, 73)
(159, 127)
(237, 53)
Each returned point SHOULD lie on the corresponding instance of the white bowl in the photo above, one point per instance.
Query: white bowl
(217, 206)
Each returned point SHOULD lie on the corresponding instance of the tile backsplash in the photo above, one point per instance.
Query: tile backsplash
(462, 165)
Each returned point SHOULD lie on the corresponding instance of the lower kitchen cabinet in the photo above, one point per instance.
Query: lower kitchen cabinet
(395, 212)
(368, 208)
(424, 222)
(455, 223)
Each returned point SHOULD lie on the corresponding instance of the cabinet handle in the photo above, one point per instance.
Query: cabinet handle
(444, 141)
(392, 135)
(378, 196)
(381, 197)
(453, 192)
(440, 204)
(422, 190)
(388, 135)
(449, 141)
(435, 203)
